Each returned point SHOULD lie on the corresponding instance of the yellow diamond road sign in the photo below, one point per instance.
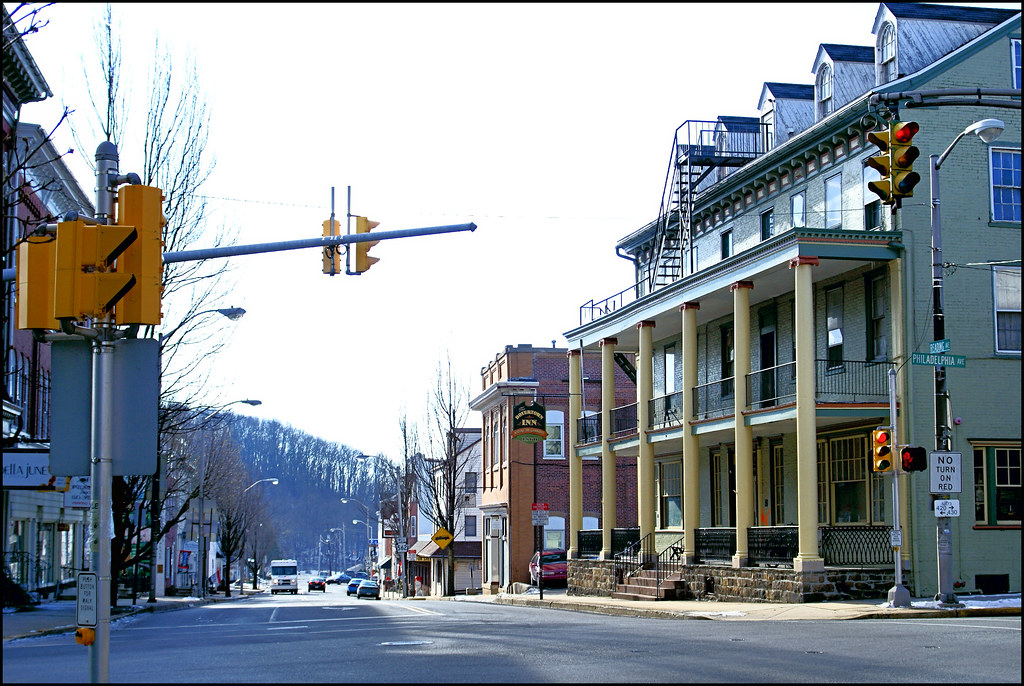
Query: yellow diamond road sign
(442, 538)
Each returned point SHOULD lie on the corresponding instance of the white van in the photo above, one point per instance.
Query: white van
(284, 577)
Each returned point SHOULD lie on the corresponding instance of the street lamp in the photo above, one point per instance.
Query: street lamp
(272, 480)
(366, 562)
(987, 130)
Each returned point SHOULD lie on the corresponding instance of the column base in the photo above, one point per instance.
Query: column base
(808, 564)
(606, 555)
(689, 559)
(739, 560)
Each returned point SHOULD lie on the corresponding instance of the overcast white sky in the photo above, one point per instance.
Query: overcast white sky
(549, 126)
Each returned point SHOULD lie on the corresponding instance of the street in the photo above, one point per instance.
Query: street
(323, 637)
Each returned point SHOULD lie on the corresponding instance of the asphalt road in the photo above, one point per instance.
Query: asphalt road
(329, 637)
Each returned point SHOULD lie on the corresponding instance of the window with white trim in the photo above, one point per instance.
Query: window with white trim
(824, 91)
(997, 498)
(834, 324)
(887, 54)
(834, 202)
(797, 207)
(726, 243)
(1006, 285)
(1005, 175)
(670, 369)
(1015, 60)
(767, 224)
(555, 422)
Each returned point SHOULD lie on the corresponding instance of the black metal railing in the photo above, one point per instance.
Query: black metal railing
(855, 546)
(623, 538)
(666, 410)
(589, 429)
(713, 399)
(773, 545)
(717, 544)
(588, 542)
(772, 386)
(624, 419)
(633, 558)
(28, 571)
(670, 562)
(851, 381)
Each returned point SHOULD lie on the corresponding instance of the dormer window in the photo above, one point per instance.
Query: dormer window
(887, 54)
(824, 88)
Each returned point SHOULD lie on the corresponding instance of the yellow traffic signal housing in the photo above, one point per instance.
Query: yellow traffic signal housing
(881, 450)
(332, 256)
(363, 259)
(882, 164)
(85, 283)
(902, 154)
(35, 273)
(85, 636)
(141, 207)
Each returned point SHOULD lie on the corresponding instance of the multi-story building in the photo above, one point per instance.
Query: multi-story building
(773, 294)
(44, 521)
(516, 474)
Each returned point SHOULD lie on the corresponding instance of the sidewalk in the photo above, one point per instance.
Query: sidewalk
(60, 616)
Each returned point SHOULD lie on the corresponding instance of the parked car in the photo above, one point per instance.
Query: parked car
(337, 578)
(554, 564)
(317, 583)
(353, 586)
(360, 575)
(368, 588)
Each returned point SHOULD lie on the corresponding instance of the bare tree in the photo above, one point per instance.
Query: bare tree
(440, 472)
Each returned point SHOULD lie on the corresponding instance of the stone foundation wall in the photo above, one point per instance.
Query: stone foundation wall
(749, 584)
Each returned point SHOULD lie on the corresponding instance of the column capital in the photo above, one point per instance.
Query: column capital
(575, 352)
(646, 323)
(691, 305)
(802, 260)
(609, 341)
(741, 284)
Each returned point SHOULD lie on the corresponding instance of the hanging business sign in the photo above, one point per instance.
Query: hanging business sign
(529, 423)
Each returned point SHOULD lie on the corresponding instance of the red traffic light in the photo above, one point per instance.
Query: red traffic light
(881, 437)
(904, 131)
(914, 459)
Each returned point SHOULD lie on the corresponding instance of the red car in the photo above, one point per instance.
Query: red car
(554, 566)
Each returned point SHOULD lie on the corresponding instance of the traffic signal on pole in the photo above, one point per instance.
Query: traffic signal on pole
(332, 256)
(141, 207)
(882, 164)
(902, 154)
(913, 458)
(363, 259)
(86, 285)
(881, 450)
(36, 259)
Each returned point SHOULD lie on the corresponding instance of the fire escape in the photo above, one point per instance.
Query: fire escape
(703, 152)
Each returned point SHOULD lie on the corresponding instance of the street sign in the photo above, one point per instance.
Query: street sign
(944, 468)
(936, 347)
(87, 600)
(442, 538)
(896, 538)
(947, 508)
(401, 546)
(540, 514)
(939, 360)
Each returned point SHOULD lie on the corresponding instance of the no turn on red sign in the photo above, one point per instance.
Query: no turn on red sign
(540, 514)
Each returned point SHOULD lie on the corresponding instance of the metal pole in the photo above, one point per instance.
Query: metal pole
(202, 525)
(943, 525)
(899, 596)
(102, 425)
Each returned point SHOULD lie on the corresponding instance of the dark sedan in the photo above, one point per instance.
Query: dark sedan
(317, 584)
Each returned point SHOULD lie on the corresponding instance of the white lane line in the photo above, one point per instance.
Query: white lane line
(278, 628)
(925, 622)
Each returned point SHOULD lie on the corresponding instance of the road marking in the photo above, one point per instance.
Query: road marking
(278, 628)
(919, 622)
(421, 610)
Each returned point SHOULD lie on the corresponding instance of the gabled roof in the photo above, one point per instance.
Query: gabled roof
(849, 53)
(793, 91)
(915, 10)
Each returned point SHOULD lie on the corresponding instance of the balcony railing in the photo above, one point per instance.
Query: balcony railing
(667, 410)
(770, 387)
(624, 419)
(589, 429)
(714, 399)
(851, 381)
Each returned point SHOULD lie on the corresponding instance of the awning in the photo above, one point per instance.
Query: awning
(427, 551)
(385, 563)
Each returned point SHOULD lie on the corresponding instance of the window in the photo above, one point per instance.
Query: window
(834, 202)
(768, 118)
(824, 88)
(834, 324)
(728, 360)
(797, 203)
(997, 484)
(553, 443)
(470, 486)
(1007, 302)
(670, 481)
(848, 472)
(778, 486)
(1015, 60)
(726, 244)
(877, 328)
(767, 224)
(1005, 172)
(670, 369)
(887, 54)
(872, 203)
(554, 537)
(470, 525)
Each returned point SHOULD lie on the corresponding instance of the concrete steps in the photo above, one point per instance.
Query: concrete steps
(643, 585)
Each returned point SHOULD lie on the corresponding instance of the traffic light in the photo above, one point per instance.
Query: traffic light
(36, 258)
(902, 154)
(881, 450)
(913, 458)
(332, 256)
(363, 259)
(882, 164)
(141, 207)
(85, 282)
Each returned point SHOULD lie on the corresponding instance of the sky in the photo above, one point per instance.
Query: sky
(548, 126)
